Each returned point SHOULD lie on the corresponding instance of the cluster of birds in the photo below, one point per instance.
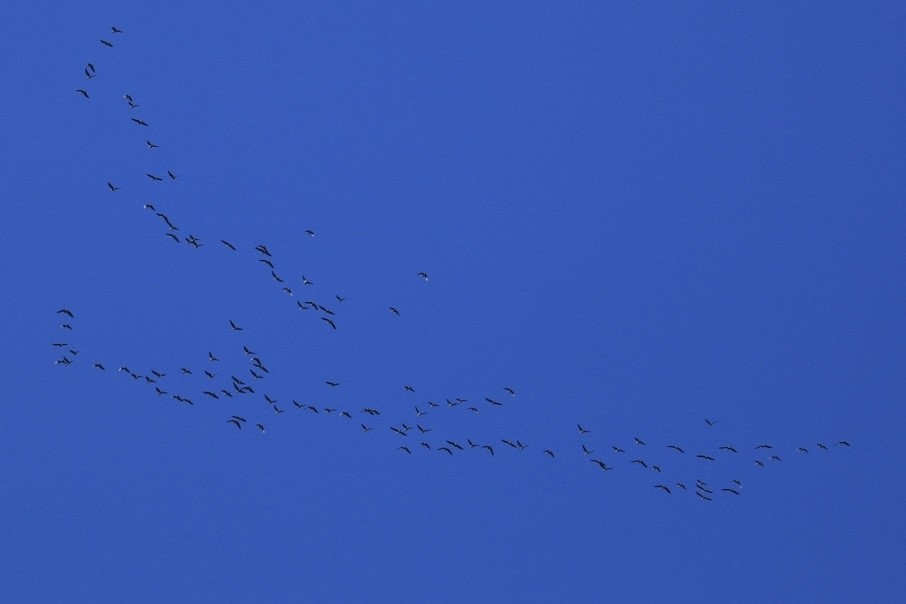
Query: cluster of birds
(242, 374)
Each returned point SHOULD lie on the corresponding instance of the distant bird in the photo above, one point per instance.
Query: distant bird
(171, 175)
(106, 43)
(676, 448)
(89, 74)
(764, 447)
(601, 464)
(365, 428)
(729, 490)
(151, 145)
(710, 422)
(803, 450)
(582, 430)
(148, 206)
(153, 177)
(705, 497)
(493, 402)
(821, 446)
(112, 186)
(618, 449)
(776, 458)
(728, 448)
(91, 67)
(60, 344)
(228, 244)
(83, 92)
(306, 281)
(260, 427)
(115, 30)
(67, 312)
(638, 441)
(172, 236)
(549, 452)
(509, 391)
(422, 429)
(339, 298)
(681, 485)
(263, 249)
(309, 232)
(99, 366)
(640, 462)
(394, 310)
(332, 384)
(662, 487)
(842, 442)
(759, 463)
(423, 275)
(445, 449)
(489, 448)
(586, 450)
(705, 457)
(237, 328)
(655, 468)
(409, 388)
(331, 323)
(235, 422)
(65, 326)
(211, 394)
(211, 357)
(138, 121)
(455, 445)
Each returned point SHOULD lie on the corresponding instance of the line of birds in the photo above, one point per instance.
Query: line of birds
(226, 383)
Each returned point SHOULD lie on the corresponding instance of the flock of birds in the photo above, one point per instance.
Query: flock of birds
(242, 375)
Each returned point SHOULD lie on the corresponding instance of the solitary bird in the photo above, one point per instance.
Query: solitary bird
(582, 430)
(394, 310)
(309, 232)
(235, 327)
(332, 384)
(423, 275)
(112, 186)
(549, 452)
(710, 422)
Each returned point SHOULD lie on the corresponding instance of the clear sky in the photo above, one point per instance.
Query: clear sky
(638, 216)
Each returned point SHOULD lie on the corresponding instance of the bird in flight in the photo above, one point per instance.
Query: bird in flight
(151, 145)
(232, 324)
(582, 430)
(332, 384)
(82, 92)
(115, 30)
(331, 323)
(112, 187)
(394, 310)
(138, 121)
(67, 312)
(663, 488)
(423, 275)
(171, 175)
(728, 448)
(710, 422)
(228, 244)
(153, 177)
(106, 43)
(639, 441)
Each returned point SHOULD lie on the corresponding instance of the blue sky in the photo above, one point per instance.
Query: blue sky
(636, 216)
